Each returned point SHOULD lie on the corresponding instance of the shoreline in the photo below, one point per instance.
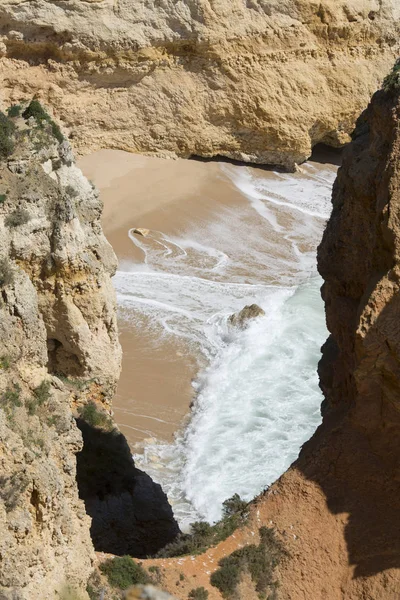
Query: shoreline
(169, 198)
(155, 390)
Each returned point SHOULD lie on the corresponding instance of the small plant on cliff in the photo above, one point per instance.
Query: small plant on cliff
(36, 110)
(199, 593)
(156, 575)
(10, 400)
(123, 572)
(259, 561)
(94, 417)
(7, 130)
(5, 363)
(3, 198)
(391, 83)
(14, 110)
(17, 218)
(40, 395)
(204, 535)
(12, 488)
(42, 392)
(11, 396)
(6, 273)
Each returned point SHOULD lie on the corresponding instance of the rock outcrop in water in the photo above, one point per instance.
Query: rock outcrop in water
(241, 319)
(261, 81)
(60, 356)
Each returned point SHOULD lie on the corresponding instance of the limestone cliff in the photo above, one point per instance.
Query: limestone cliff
(261, 80)
(337, 509)
(60, 357)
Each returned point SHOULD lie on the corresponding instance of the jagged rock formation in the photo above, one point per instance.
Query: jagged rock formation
(60, 356)
(261, 81)
(337, 509)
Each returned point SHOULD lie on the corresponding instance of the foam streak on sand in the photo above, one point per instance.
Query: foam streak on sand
(257, 397)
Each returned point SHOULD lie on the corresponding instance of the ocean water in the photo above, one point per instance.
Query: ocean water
(257, 398)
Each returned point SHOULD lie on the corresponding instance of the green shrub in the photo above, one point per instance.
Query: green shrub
(17, 218)
(123, 572)
(259, 561)
(7, 130)
(92, 593)
(54, 421)
(56, 131)
(40, 395)
(36, 111)
(156, 576)
(94, 586)
(3, 198)
(14, 110)
(391, 83)
(94, 417)
(11, 396)
(5, 363)
(42, 392)
(234, 506)
(6, 273)
(199, 593)
(203, 535)
(12, 488)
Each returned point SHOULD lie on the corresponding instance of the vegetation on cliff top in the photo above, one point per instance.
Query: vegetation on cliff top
(7, 131)
(203, 535)
(391, 83)
(35, 110)
(123, 572)
(258, 561)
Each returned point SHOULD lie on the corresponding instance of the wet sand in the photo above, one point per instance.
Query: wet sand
(155, 391)
(167, 196)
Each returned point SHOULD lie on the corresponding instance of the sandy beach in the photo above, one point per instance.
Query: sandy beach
(168, 197)
(155, 390)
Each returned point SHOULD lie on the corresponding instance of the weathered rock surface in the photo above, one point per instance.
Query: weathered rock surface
(261, 81)
(59, 355)
(242, 318)
(337, 509)
(345, 484)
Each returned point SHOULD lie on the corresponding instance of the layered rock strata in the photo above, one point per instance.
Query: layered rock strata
(60, 357)
(261, 81)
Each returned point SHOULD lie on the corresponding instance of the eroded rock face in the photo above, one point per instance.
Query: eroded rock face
(337, 509)
(57, 316)
(59, 355)
(261, 81)
(346, 480)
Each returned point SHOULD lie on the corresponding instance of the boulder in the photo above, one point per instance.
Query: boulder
(141, 231)
(242, 318)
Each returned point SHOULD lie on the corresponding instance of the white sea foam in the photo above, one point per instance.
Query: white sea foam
(257, 395)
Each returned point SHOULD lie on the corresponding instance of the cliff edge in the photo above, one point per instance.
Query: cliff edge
(59, 365)
(261, 81)
(336, 511)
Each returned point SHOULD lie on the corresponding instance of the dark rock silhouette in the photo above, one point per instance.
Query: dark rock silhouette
(130, 513)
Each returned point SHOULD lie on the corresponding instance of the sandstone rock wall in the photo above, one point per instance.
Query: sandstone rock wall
(337, 509)
(261, 80)
(57, 321)
(60, 356)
